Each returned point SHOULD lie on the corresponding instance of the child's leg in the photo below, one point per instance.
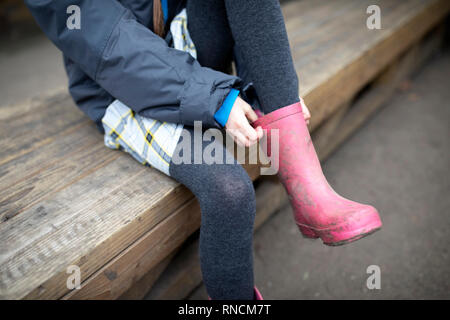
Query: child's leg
(227, 201)
(262, 50)
(211, 34)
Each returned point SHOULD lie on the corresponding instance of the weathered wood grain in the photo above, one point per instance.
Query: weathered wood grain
(68, 158)
(141, 286)
(118, 275)
(346, 120)
(348, 54)
(43, 121)
(85, 224)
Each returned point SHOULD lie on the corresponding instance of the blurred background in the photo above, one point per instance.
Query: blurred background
(398, 161)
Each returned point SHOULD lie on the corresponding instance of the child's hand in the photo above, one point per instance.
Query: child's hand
(238, 125)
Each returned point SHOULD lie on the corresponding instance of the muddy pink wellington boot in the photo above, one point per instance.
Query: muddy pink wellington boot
(319, 211)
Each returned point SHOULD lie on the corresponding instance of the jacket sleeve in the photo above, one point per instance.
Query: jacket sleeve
(133, 64)
(87, 94)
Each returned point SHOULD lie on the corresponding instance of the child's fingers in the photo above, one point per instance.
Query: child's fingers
(238, 137)
(306, 114)
(250, 113)
(249, 132)
(305, 110)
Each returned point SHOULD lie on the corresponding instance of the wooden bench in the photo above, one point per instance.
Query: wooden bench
(65, 199)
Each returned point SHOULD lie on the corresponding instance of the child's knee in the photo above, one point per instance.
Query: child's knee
(235, 192)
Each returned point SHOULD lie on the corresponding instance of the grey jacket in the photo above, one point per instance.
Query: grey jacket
(115, 55)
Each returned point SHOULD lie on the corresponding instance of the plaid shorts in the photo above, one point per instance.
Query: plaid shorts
(149, 141)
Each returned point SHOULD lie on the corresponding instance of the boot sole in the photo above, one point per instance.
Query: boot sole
(355, 238)
(345, 237)
(307, 232)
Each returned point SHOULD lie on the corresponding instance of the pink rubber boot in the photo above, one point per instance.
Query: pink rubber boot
(319, 211)
(258, 295)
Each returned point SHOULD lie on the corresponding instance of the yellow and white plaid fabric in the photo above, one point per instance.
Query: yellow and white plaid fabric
(149, 141)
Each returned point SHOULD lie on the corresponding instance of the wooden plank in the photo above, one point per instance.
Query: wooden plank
(379, 92)
(72, 156)
(141, 286)
(270, 197)
(180, 278)
(129, 200)
(326, 131)
(184, 274)
(109, 282)
(68, 143)
(21, 108)
(331, 74)
(28, 126)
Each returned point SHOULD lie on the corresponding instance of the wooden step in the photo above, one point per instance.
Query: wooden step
(67, 200)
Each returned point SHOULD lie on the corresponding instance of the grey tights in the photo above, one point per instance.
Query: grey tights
(227, 202)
